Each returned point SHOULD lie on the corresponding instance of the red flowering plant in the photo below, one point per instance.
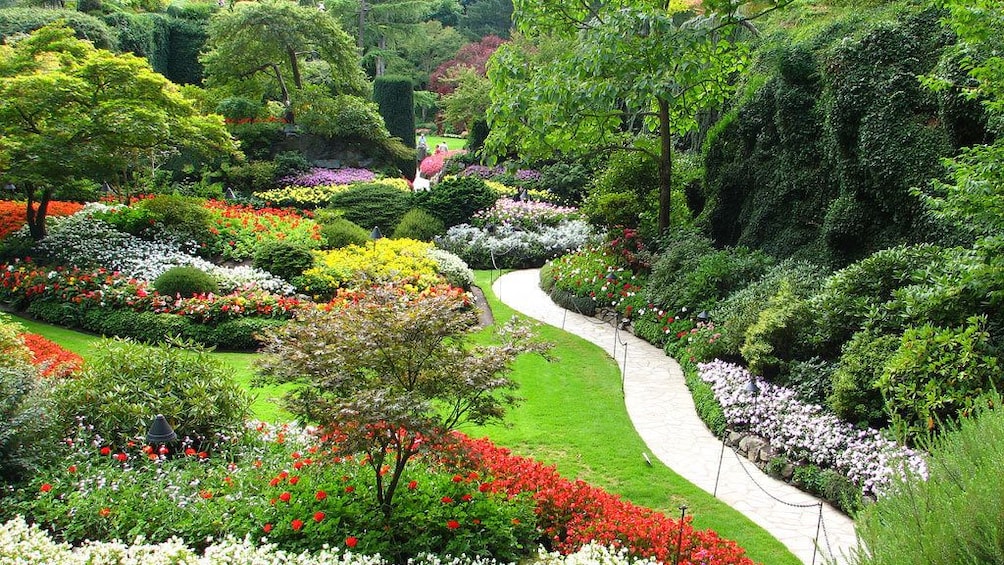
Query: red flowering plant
(53, 360)
(238, 230)
(574, 513)
(12, 213)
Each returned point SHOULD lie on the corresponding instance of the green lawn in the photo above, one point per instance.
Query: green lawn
(452, 142)
(573, 417)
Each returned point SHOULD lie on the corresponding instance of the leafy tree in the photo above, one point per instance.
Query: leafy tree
(473, 56)
(392, 375)
(383, 23)
(428, 45)
(278, 43)
(468, 103)
(616, 72)
(482, 18)
(70, 111)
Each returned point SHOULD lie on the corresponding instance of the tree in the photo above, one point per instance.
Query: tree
(617, 72)
(473, 56)
(275, 40)
(482, 18)
(381, 23)
(393, 374)
(468, 103)
(70, 111)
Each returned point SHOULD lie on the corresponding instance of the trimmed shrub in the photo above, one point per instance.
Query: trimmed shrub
(856, 396)
(289, 163)
(771, 340)
(184, 216)
(453, 268)
(372, 204)
(185, 281)
(240, 334)
(16, 21)
(28, 429)
(147, 327)
(250, 177)
(340, 232)
(124, 385)
(394, 96)
(454, 201)
(419, 224)
(283, 259)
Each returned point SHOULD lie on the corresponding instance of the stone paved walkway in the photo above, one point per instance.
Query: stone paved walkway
(662, 410)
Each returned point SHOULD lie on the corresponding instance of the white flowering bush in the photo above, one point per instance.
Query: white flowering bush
(508, 246)
(806, 432)
(453, 268)
(81, 240)
(21, 543)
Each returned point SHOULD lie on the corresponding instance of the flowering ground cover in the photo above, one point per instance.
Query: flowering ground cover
(53, 360)
(12, 213)
(317, 196)
(403, 262)
(240, 230)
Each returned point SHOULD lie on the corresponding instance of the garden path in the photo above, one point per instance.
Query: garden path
(662, 410)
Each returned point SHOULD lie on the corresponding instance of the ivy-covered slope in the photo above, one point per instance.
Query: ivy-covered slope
(817, 158)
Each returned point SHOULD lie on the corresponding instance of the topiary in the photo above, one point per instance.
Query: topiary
(184, 216)
(394, 96)
(341, 232)
(125, 384)
(185, 281)
(419, 224)
(283, 259)
(455, 200)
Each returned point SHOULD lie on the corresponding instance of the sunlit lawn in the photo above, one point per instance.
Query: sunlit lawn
(573, 416)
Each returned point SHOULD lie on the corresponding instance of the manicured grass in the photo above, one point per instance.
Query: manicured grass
(452, 142)
(573, 417)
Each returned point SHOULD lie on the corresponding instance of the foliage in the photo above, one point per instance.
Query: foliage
(393, 375)
(938, 375)
(92, 113)
(372, 204)
(419, 224)
(15, 21)
(340, 232)
(830, 485)
(51, 359)
(473, 56)
(184, 216)
(185, 281)
(341, 117)
(455, 200)
(522, 215)
(393, 95)
(949, 516)
(805, 432)
(250, 176)
(283, 259)
(452, 268)
(856, 396)
(467, 104)
(772, 338)
(237, 231)
(125, 385)
(817, 160)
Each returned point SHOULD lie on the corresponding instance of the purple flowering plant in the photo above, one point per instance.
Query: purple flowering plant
(318, 176)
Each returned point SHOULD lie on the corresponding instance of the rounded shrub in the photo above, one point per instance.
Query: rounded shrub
(455, 200)
(125, 385)
(185, 281)
(341, 232)
(185, 216)
(283, 259)
(370, 204)
(419, 224)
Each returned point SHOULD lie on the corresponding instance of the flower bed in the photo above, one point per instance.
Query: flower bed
(50, 357)
(240, 230)
(433, 164)
(808, 433)
(509, 247)
(317, 196)
(524, 215)
(404, 262)
(12, 213)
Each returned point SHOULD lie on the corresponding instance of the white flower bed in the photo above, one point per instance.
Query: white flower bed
(81, 240)
(807, 432)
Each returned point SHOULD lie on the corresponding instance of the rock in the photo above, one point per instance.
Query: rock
(788, 471)
(750, 445)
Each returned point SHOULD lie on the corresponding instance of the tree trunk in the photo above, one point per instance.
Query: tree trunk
(286, 100)
(665, 166)
(361, 40)
(294, 65)
(380, 66)
(36, 218)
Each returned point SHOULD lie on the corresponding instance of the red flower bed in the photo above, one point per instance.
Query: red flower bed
(573, 513)
(58, 362)
(12, 213)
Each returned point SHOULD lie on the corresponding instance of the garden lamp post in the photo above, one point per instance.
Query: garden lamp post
(160, 432)
(375, 235)
(679, 537)
(703, 317)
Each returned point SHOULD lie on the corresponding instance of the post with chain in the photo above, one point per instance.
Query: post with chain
(679, 537)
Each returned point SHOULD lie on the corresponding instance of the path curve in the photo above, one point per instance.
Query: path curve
(662, 410)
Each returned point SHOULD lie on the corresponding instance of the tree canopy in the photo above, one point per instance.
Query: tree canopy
(71, 111)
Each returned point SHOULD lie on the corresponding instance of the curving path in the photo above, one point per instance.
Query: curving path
(662, 410)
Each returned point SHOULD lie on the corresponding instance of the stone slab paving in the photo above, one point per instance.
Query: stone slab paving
(662, 410)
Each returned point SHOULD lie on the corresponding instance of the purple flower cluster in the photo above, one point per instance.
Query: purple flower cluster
(806, 432)
(525, 215)
(528, 175)
(322, 177)
(482, 171)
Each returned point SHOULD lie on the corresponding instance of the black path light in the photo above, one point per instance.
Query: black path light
(679, 537)
(375, 234)
(703, 317)
(160, 431)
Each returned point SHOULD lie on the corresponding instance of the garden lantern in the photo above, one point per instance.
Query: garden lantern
(703, 317)
(375, 234)
(160, 431)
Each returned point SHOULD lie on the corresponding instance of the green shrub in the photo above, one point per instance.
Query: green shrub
(250, 177)
(135, 220)
(394, 96)
(289, 163)
(239, 108)
(812, 379)
(937, 375)
(283, 259)
(372, 205)
(707, 406)
(419, 224)
(830, 485)
(340, 232)
(952, 515)
(342, 116)
(771, 341)
(256, 138)
(147, 327)
(453, 268)
(185, 281)
(455, 200)
(624, 191)
(566, 180)
(28, 428)
(124, 385)
(239, 334)
(185, 216)
(56, 312)
(856, 397)
(15, 21)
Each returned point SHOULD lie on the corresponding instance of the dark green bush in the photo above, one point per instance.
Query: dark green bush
(566, 180)
(185, 216)
(232, 335)
(16, 21)
(124, 385)
(340, 232)
(256, 138)
(394, 96)
(56, 312)
(771, 341)
(856, 396)
(283, 259)
(707, 406)
(147, 327)
(830, 485)
(253, 176)
(812, 379)
(185, 281)
(343, 116)
(135, 220)
(372, 205)
(290, 162)
(623, 192)
(238, 108)
(28, 428)
(419, 224)
(454, 201)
